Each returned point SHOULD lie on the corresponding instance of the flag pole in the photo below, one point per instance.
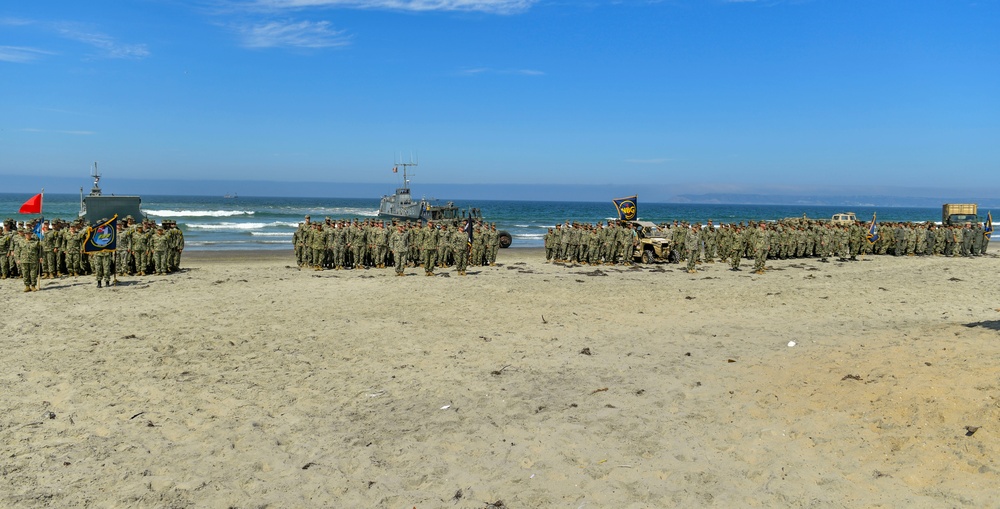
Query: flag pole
(41, 220)
(41, 263)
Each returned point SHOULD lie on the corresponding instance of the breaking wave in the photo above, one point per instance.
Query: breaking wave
(199, 213)
(242, 226)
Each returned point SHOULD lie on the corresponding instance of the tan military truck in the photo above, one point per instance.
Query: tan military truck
(654, 243)
(959, 213)
(839, 218)
(844, 218)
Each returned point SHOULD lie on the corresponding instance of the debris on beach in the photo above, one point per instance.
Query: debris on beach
(500, 371)
(585, 351)
(971, 430)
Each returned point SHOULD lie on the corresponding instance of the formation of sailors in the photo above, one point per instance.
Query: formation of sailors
(342, 244)
(141, 248)
(591, 244)
(694, 243)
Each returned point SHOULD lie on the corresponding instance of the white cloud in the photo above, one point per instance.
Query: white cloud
(487, 70)
(488, 6)
(20, 54)
(58, 131)
(15, 22)
(292, 34)
(110, 47)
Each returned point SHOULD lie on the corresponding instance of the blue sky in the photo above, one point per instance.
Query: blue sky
(705, 95)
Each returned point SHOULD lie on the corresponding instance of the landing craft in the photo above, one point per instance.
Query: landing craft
(96, 206)
(402, 206)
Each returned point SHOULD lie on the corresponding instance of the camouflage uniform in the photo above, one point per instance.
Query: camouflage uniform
(124, 245)
(29, 259)
(460, 246)
(160, 246)
(550, 242)
(101, 263)
(50, 249)
(430, 248)
(176, 247)
(760, 249)
(479, 246)
(398, 244)
(736, 248)
(72, 245)
(709, 241)
(381, 245)
(140, 248)
(494, 244)
(6, 240)
(691, 245)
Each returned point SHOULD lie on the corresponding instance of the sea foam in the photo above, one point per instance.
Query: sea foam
(199, 213)
(242, 226)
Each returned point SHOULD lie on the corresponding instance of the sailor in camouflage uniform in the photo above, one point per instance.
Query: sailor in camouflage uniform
(430, 245)
(73, 246)
(692, 243)
(6, 250)
(736, 248)
(760, 248)
(398, 244)
(30, 259)
(460, 247)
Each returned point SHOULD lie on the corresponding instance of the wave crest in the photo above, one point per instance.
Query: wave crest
(199, 213)
(242, 226)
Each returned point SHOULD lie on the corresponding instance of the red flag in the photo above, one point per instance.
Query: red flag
(32, 206)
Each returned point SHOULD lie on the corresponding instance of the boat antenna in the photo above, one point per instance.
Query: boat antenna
(96, 190)
(406, 179)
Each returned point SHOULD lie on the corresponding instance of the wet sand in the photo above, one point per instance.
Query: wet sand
(245, 382)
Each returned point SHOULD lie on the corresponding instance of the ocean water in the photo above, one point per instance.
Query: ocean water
(217, 223)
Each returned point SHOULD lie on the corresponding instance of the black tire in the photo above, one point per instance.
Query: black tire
(648, 256)
(505, 239)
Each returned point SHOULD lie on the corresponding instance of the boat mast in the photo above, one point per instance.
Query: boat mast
(96, 190)
(406, 177)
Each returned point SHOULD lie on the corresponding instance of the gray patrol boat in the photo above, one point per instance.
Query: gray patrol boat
(401, 205)
(96, 206)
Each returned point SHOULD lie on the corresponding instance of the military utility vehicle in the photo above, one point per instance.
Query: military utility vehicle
(959, 214)
(844, 218)
(654, 244)
(839, 218)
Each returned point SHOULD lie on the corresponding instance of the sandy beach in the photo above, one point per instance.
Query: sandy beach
(245, 382)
